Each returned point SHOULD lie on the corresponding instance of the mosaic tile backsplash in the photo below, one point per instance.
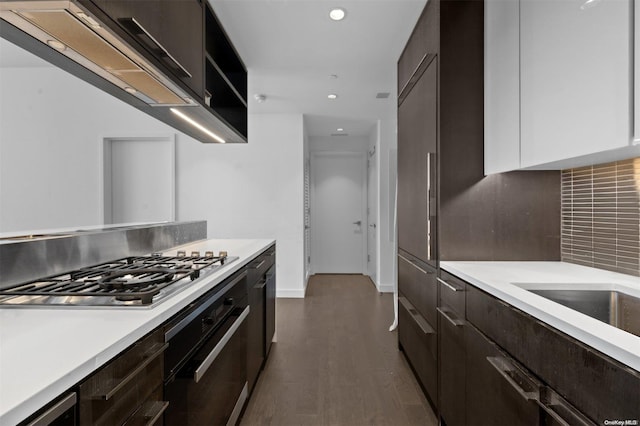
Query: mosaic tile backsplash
(601, 216)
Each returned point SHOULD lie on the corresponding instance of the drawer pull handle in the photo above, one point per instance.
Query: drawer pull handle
(134, 373)
(570, 415)
(153, 418)
(260, 285)
(445, 313)
(516, 378)
(449, 286)
(259, 265)
(422, 323)
(139, 31)
(54, 412)
(415, 265)
(202, 368)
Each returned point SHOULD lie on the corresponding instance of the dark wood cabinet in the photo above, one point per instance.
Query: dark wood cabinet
(417, 282)
(417, 141)
(170, 30)
(419, 341)
(261, 319)
(586, 378)
(225, 76)
(497, 392)
(452, 350)
(270, 307)
(418, 319)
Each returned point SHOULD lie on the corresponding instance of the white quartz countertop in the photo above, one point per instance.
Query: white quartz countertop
(46, 351)
(509, 280)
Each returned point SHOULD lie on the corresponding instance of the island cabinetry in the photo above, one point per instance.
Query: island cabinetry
(261, 319)
(127, 390)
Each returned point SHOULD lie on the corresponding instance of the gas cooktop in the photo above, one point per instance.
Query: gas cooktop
(130, 281)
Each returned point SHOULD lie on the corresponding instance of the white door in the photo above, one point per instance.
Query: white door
(372, 202)
(139, 180)
(338, 213)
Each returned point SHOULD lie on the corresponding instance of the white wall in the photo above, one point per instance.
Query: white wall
(338, 143)
(251, 191)
(51, 130)
(51, 125)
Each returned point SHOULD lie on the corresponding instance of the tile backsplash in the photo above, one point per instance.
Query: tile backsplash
(601, 216)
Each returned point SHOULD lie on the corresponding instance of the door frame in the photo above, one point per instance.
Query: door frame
(104, 172)
(362, 156)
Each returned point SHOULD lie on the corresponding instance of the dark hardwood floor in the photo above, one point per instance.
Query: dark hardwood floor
(336, 363)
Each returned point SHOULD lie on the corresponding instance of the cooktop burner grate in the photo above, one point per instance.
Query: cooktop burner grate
(135, 280)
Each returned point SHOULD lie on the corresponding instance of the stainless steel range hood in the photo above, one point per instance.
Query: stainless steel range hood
(72, 30)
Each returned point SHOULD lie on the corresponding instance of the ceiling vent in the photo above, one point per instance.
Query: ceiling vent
(339, 134)
(382, 95)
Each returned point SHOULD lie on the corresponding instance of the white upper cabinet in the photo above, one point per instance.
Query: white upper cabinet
(575, 84)
(502, 86)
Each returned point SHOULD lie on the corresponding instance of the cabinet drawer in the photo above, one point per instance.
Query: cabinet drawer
(418, 284)
(491, 397)
(586, 378)
(419, 342)
(452, 293)
(260, 265)
(119, 389)
(452, 367)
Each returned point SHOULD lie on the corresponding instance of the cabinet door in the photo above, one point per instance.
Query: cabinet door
(496, 392)
(417, 138)
(501, 86)
(171, 30)
(270, 309)
(452, 367)
(256, 331)
(575, 74)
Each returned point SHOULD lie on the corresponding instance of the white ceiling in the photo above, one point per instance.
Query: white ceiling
(291, 48)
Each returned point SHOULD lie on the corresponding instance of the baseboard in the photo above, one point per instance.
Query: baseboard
(385, 288)
(290, 293)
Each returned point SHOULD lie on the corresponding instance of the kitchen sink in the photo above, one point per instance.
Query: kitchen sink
(613, 306)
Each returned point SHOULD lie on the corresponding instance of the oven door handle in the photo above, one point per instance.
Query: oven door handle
(202, 368)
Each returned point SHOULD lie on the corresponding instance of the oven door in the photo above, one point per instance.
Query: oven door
(211, 387)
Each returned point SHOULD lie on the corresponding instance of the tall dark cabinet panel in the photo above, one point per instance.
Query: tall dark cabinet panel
(447, 208)
(417, 141)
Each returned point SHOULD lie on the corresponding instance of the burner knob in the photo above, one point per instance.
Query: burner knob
(229, 301)
(208, 321)
(181, 253)
(223, 254)
(195, 254)
(208, 254)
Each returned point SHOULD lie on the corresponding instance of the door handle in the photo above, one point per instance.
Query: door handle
(373, 225)
(358, 222)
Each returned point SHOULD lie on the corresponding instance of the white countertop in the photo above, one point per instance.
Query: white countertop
(45, 351)
(498, 278)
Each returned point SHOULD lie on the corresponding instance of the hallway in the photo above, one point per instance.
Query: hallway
(336, 363)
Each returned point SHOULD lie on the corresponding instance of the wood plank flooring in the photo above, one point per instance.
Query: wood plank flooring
(336, 363)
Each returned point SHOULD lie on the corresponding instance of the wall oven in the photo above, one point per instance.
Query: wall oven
(206, 362)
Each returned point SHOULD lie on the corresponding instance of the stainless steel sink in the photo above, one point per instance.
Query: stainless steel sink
(617, 308)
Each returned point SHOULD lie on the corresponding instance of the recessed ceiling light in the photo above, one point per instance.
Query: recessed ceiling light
(130, 90)
(340, 129)
(58, 45)
(332, 96)
(337, 14)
